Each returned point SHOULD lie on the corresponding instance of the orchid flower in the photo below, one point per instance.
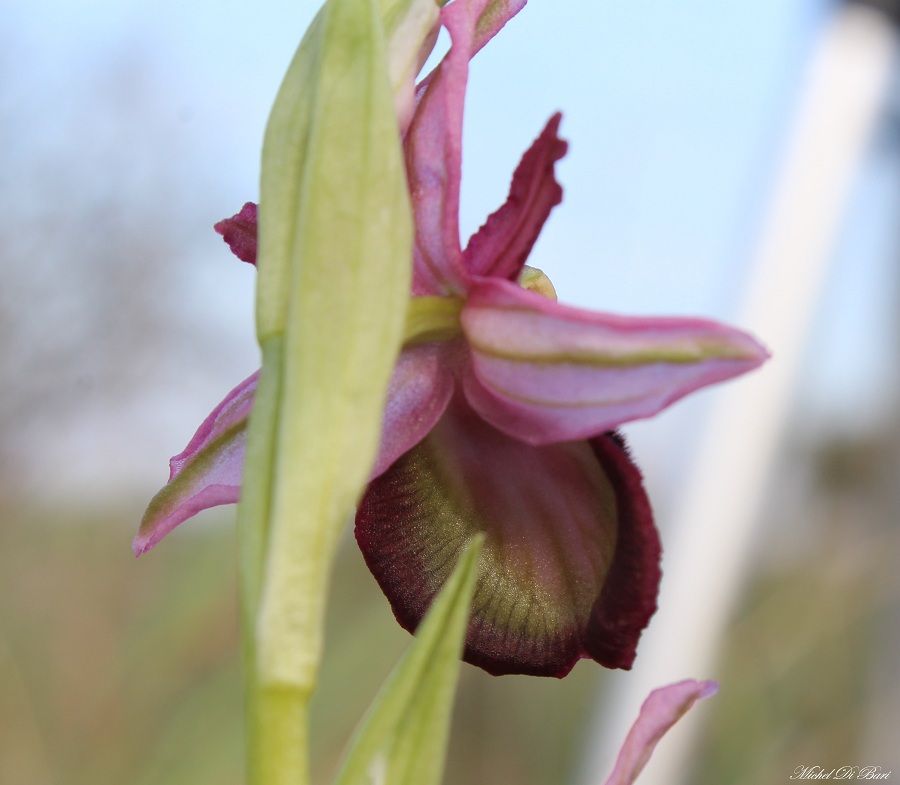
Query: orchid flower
(501, 414)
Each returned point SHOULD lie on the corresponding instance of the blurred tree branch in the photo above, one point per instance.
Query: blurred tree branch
(97, 214)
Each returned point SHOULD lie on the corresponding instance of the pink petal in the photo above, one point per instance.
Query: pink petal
(502, 244)
(239, 232)
(420, 388)
(433, 148)
(207, 473)
(570, 568)
(662, 709)
(545, 372)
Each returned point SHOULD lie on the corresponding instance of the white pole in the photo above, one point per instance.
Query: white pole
(705, 559)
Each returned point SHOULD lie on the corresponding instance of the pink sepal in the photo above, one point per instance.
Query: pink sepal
(433, 150)
(545, 372)
(207, 473)
(662, 709)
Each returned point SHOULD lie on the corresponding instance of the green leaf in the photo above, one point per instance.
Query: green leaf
(403, 739)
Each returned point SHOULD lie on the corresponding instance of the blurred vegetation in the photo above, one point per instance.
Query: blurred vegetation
(114, 670)
(102, 208)
(809, 675)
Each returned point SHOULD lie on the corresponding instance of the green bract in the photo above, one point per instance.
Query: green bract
(403, 739)
(334, 265)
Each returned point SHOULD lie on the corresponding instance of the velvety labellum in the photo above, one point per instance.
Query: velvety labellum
(558, 529)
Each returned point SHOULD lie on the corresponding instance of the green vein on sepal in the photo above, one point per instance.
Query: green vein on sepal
(686, 355)
(173, 492)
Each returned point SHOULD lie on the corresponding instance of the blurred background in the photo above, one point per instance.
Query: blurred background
(128, 128)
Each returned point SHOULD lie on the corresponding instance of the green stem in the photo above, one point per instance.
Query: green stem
(276, 724)
(256, 485)
(278, 736)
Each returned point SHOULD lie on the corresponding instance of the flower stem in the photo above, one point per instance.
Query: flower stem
(278, 738)
(276, 717)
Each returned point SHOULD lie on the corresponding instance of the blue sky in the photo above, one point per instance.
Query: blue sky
(675, 114)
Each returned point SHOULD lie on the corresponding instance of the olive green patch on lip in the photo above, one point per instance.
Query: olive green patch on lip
(551, 518)
(513, 596)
